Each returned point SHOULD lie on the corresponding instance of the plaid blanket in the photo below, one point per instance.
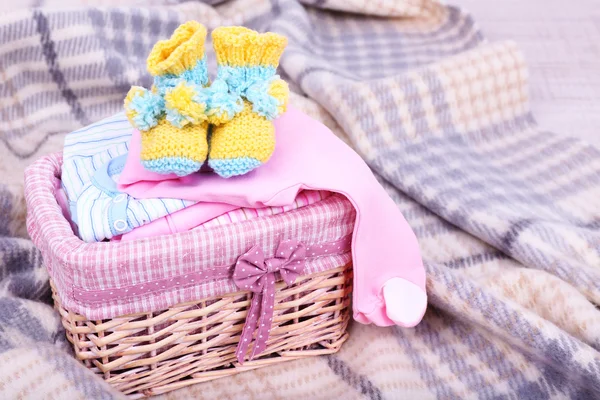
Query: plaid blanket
(507, 215)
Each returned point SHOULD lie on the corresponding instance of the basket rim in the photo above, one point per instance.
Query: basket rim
(40, 178)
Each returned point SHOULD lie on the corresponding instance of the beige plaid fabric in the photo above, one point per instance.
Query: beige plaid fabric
(506, 214)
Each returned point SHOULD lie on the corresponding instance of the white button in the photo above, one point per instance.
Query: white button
(120, 225)
(119, 198)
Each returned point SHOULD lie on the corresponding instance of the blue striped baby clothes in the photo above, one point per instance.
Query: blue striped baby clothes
(93, 158)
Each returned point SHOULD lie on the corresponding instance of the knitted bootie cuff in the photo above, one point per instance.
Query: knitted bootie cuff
(182, 52)
(236, 46)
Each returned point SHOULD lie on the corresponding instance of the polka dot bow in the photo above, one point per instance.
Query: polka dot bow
(255, 273)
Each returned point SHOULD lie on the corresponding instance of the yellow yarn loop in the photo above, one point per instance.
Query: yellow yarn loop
(237, 46)
(281, 91)
(179, 53)
(180, 99)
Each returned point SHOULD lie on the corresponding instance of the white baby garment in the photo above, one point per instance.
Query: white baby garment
(93, 158)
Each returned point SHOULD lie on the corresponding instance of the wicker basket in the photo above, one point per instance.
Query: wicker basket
(161, 313)
(151, 353)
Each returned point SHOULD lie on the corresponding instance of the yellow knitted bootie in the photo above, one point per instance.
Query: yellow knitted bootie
(172, 116)
(244, 99)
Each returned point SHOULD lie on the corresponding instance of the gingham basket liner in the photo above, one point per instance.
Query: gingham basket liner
(77, 267)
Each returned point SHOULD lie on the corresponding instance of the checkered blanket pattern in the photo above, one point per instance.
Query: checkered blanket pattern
(507, 215)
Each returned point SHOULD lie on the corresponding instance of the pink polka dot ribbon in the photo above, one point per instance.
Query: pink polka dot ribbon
(280, 263)
(256, 274)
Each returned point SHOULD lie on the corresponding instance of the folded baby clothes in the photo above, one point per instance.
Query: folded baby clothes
(93, 157)
(389, 277)
(304, 198)
(181, 221)
(200, 215)
(207, 215)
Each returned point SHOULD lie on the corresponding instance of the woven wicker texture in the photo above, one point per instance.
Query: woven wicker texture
(151, 353)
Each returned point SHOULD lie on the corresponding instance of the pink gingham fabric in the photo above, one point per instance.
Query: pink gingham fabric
(195, 216)
(79, 268)
(304, 198)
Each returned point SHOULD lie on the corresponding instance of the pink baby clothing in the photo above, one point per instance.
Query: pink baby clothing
(199, 215)
(304, 198)
(389, 277)
(207, 215)
(180, 221)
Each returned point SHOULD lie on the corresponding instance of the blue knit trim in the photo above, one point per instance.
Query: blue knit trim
(251, 83)
(220, 102)
(262, 102)
(148, 108)
(179, 166)
(175, 118)
(197, 75)
(228, 167)
(239, 79)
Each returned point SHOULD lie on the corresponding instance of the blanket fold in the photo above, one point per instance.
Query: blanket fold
(507, 216)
